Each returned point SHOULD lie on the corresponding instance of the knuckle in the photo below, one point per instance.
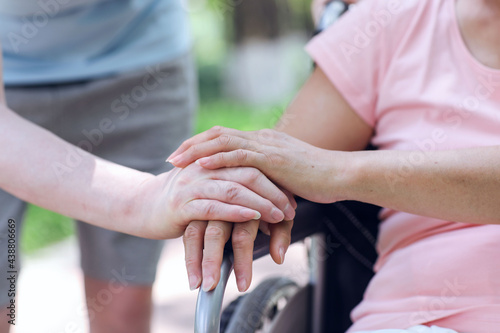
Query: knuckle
(183, 177)
(192, 232)
(266, 132)
(192, 150)
(253, 175)
(209, 262)
(184, 145)
(241, 155)
(232, 192)
(241, 236)
(191, 261)
(214, 232)
(217, 129)
(223, 140)
(209, 210)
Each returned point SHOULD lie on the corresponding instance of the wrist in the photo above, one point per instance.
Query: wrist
(137, 207)
(154, 207)
(338, 175)
(358, 175)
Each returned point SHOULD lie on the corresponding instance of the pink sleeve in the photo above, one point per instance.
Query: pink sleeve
(356, 51)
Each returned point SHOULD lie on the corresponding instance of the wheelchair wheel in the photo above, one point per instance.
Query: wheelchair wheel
(256, 311)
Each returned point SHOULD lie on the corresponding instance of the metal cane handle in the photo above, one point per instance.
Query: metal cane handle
(209, 303)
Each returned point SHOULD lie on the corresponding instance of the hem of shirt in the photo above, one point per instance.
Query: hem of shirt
(317, 49)
(90, 75)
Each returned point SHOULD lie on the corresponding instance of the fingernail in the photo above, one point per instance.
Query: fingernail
(208, 283)
(289, 212)
(282, 254)
(242, 285)
(174, 160)
(194, 281)
(277, 214)
(250, 214)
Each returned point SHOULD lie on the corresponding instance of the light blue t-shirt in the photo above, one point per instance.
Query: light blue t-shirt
(56, 41)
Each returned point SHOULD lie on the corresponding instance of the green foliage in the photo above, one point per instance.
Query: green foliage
(42, 227)
(234, 115)
(209, 82)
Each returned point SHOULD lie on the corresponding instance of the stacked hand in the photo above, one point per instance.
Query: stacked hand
(292, 164)
(287, 161)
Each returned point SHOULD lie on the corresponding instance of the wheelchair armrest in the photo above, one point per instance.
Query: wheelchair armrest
(209, 304)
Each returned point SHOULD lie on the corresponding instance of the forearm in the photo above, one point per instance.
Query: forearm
(456, 185)
(41, 168)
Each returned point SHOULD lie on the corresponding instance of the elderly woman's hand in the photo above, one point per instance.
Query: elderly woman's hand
(204, 245)
(307, 171)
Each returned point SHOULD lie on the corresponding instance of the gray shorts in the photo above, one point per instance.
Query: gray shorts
(135, 119)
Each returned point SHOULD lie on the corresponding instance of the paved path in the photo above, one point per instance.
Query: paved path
(51, 298)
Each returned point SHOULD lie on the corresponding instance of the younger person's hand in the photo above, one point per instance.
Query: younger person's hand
(170, 201)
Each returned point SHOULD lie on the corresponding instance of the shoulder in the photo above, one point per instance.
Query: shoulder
(380, 25)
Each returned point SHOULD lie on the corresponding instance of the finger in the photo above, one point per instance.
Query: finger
(291, 199)
(193, 248)
(255, 181)
(264, 227)
(228, 140)
(222, 143)
(236, 194)
(281, 235)
(216, 236)
(206, 209)
(234, 158)
(202, 137)
(243, 237)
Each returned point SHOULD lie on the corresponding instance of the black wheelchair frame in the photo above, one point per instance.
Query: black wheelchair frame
(345, 233)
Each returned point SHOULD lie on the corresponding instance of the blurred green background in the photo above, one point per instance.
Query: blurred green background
(225, 32)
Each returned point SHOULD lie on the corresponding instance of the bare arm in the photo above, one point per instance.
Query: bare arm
(39, 167)
(457, 185)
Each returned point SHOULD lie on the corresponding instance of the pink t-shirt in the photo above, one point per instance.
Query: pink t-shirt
(405, 69)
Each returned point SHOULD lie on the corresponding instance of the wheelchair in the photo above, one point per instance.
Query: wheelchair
(343, 246)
